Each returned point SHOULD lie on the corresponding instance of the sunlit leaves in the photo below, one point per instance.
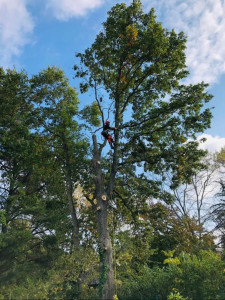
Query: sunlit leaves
(91, 114)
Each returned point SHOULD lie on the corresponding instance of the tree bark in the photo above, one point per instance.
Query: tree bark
(76, 240)
(106, 283)
(69, 182)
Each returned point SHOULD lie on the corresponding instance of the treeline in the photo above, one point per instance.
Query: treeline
(46, 254)
(81, 220)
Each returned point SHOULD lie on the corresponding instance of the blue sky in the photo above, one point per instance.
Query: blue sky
(38, 33)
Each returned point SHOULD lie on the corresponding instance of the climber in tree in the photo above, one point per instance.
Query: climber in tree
(106, 135)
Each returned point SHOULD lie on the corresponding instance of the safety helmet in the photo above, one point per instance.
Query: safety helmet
(107, 122)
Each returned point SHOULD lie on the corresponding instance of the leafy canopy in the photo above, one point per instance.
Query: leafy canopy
(138, 68)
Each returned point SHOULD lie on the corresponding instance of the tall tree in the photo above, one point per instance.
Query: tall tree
(56, 107)
(134, 68)
(41, 154)
(16, 143)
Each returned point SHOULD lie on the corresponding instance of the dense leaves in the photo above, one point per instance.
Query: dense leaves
(136, 70)
(41, 153)
(81, 222)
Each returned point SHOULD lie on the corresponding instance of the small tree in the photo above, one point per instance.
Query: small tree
(194, 198)
(218, 210)
(134, 68)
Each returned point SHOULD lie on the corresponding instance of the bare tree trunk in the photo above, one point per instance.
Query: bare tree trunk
(106, 284)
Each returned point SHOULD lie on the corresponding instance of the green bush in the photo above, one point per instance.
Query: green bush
(155, 283)
(202, 276)
(197, 277)
(187, 276)
(175, 295)
(62, 281)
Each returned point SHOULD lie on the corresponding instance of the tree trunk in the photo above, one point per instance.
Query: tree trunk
(106, 283)
(69, 182)
(4, 228)
(76, 240)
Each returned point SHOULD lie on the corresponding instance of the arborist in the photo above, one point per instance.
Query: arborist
(106, 135)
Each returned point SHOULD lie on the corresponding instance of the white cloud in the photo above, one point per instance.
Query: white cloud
(212, 144)
(16, 26)
(204, 24)
(66, 9)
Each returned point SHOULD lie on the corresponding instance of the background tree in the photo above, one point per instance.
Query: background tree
(218, 210)
(16, 142)
(219, 215)
(193, 199)
(56, 107)
(41, 153)
(190, 274)
(22, 178)
(134, 68)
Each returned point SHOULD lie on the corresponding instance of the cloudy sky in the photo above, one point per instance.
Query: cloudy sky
(35, 34)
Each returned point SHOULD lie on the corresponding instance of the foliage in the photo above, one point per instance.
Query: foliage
(91, 114)
(218, 210)
(202, 276)
(175, 295)
(139, 64)
(40, 146)
(135, 68)
(195, 277)
(61, 280)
